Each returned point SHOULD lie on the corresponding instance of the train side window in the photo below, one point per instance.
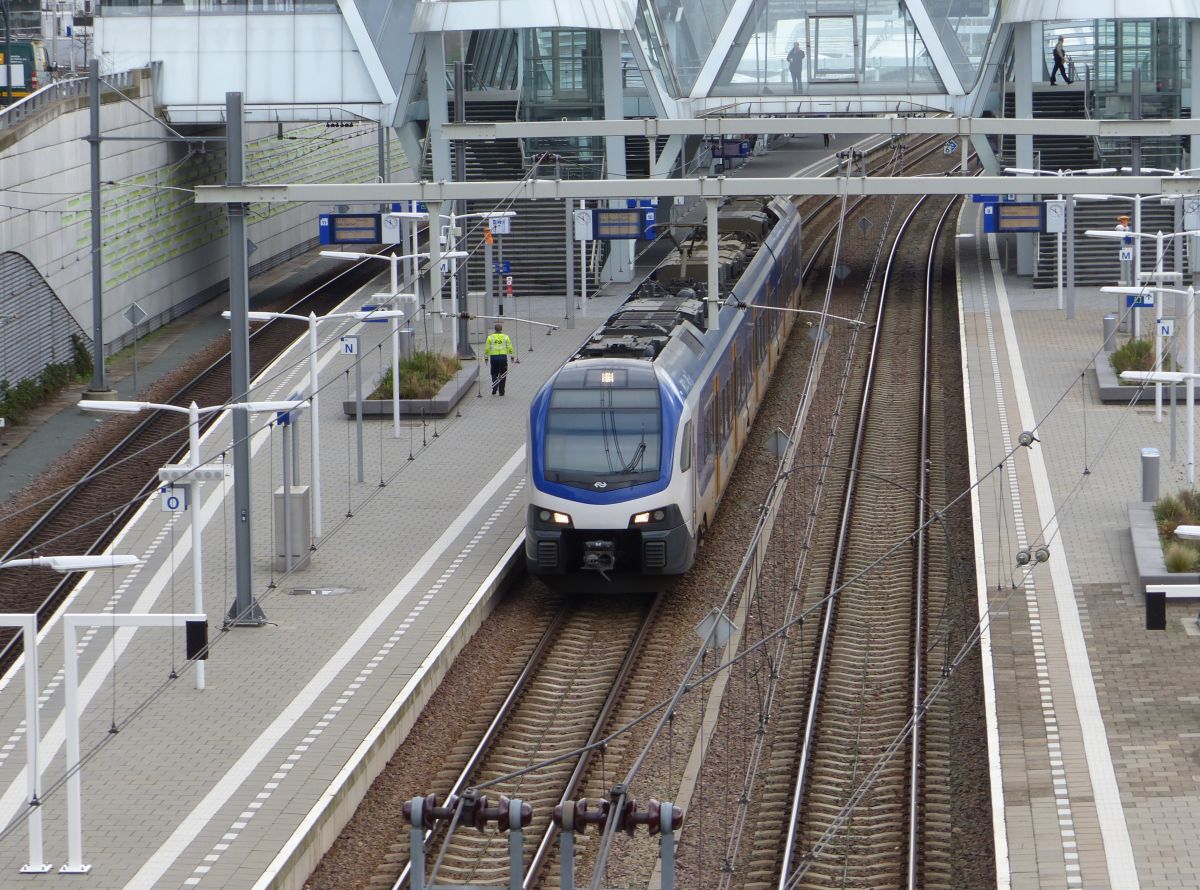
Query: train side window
(685, 454)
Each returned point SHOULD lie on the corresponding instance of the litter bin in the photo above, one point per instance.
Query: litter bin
(1110, 332)
(1150, 474)
(300, 529)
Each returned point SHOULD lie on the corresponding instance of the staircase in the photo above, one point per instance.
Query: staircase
(637, 155)
(536, 252)
(1065, 152)
(1097, 261)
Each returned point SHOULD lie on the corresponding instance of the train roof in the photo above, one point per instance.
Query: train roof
(670, 302)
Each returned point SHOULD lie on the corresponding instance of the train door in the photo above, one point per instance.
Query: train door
(688, 467)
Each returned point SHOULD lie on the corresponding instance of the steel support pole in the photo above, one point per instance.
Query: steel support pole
(460, 306)
(197, 526)
(489, 297)
(99, 383)
(1191, 385)
(1027, 60)
(1070, 226)
(1137, 256)
(358, 410)
(287, 501)
(245, 611)
(27, 624)
(435, 262)
(395, 281)
(570, 252)
(8, 53)
(74, 864)
(500, 286)
(1135, 114)
(712, 295)
(314, 433)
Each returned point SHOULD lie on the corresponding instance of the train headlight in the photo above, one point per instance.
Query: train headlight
(549, 518)
(650, 516)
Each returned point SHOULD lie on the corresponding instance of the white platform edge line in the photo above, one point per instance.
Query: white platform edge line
(191, 826)
(1110, 812)
(329, 796)
(995, 767)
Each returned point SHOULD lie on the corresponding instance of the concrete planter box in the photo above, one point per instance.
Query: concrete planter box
(441, 404)
(1111, 390)
(1148, 552)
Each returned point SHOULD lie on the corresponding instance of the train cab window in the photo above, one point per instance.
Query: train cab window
(603, 434)
(685, 453)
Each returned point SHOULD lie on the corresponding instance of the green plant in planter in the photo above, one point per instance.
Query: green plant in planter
(1180, 557)
(422, 375)
(1170, 512)
(1136, 355)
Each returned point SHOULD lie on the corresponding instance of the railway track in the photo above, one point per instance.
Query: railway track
(559, 705)
(89, 511)
(861, 681)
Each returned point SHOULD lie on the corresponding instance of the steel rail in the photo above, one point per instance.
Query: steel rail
(498, 721)
(920, 582)
(542, 854)
(506, 709)
(824, 643)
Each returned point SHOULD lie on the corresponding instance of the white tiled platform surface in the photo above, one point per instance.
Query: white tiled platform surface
(204, 788)
(1098, 719)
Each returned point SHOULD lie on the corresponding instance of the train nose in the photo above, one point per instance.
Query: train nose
(599, 556)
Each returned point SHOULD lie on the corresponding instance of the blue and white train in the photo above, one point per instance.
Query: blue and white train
(633, 441)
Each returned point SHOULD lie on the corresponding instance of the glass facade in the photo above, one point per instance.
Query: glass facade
(213, 7)
(870, 46)
(562, 80)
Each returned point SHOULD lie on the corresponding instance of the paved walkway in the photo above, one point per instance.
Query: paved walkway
(1097, 720)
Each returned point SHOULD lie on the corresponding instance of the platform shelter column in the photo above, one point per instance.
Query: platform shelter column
(619, 266)
(1027, 65)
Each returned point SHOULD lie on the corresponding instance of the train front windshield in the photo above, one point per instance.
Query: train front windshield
(603, 434)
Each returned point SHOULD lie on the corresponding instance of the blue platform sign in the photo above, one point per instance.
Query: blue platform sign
(1139, 301)
(985, 199)
(500, 268)
(350, 228)
(373, 320)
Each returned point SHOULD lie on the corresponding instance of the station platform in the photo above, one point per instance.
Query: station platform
(244, 783)
(1094, 720)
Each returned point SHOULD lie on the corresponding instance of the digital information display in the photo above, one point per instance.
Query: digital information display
(615, 224)
(1023, 216)
(350, 228)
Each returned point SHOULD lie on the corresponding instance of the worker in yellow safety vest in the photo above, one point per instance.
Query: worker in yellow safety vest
(498, 348)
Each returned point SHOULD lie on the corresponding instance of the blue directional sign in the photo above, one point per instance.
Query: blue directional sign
(370, 308)
(985, 199)
(950, 147)
(1139, 301)
(500, 268)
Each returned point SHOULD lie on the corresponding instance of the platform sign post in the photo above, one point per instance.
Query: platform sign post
(350, 346)
(75, 864)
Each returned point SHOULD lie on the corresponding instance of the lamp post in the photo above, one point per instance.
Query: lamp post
(1159, 377)
(314, 389)
(27, 624)
(394, 294)
(1070, 224)
(195, 472)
